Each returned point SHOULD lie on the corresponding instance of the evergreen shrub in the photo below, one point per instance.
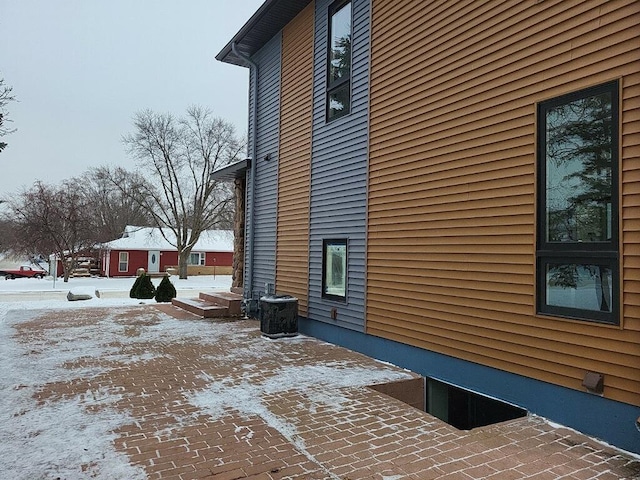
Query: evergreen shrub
(165, 291)
(133, 293)
(145, 290)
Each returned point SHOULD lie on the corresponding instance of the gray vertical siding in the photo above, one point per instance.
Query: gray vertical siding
(266, 181)
(339, 172)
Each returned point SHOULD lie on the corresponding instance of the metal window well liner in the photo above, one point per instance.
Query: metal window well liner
(279, 316)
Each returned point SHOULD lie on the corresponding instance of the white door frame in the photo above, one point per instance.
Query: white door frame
(153, 264)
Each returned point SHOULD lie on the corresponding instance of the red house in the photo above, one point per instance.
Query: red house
(146, 247)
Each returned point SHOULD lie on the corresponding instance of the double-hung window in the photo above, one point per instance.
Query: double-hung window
(339, 60)
(577, 246)
(123, 261)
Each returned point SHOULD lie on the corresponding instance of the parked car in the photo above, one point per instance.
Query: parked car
(24, 271)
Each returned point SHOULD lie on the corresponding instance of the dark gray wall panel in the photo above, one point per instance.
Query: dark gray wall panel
(339, 172)
(266, 181)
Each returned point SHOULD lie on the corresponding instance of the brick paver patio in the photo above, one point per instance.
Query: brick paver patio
(214, 399)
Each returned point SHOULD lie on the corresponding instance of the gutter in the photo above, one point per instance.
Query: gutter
(254, 150)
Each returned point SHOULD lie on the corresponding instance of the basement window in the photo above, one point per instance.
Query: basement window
(466, 410)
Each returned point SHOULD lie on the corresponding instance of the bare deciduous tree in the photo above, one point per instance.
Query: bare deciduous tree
(5, 98)
(177, 157)
(7, 229)
(111, 195)
(50, 219)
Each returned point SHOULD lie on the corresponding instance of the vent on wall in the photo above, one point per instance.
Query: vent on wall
(269, 288)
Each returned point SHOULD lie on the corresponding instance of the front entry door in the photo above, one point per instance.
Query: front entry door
(154, 261)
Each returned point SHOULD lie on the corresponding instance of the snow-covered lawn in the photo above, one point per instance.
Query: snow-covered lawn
(113, 291)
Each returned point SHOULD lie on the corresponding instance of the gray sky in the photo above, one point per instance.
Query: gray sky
(81, 69)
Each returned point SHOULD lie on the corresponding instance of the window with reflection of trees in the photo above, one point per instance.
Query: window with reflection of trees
(578, 205)
(339, 61)
(334, 269)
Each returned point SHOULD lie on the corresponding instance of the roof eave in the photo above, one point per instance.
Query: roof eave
(232, 171)
(266, 22)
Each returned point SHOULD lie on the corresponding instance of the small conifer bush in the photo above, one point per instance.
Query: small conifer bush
(133, 293)
(145, 290)
(165, 291)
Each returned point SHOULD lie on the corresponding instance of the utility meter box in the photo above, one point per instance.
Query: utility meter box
(279, 316)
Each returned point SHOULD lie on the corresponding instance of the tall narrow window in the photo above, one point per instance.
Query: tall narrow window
(339, 61)
(577, 264)
(334, 269)
(123, 263)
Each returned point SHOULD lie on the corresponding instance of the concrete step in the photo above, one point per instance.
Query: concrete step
(201, 307)
(232, 301)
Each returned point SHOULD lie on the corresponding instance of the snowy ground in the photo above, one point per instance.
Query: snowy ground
(49, 431)
(71, 437)
(34, 439)
(113, 291)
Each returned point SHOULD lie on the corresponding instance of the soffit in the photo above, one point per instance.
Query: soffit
(268, 20)
(231, 172)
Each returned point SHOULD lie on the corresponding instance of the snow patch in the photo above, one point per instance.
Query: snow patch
(558, 426)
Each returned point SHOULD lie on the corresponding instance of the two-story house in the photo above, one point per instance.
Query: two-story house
(454, 187)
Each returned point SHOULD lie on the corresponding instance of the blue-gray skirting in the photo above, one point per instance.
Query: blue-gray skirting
(611, 421)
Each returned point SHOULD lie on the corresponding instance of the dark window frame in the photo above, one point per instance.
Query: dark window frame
(604, 253)
(335, 85)
(325, 243)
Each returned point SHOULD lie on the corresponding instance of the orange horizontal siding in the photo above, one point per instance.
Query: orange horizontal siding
(631, 200)
(292, 246)
(451, 213)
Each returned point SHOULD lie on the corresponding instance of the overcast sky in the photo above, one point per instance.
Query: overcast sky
(81, 69)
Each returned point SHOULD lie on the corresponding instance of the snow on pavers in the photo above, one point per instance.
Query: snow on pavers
(152, 392)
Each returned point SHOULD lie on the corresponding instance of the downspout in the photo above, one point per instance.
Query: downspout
(254, 152)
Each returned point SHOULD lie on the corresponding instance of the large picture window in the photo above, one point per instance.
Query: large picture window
(339, 61)
(196, 258)
(577, 252)
(334, 269)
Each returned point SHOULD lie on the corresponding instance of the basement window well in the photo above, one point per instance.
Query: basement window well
(464, 409)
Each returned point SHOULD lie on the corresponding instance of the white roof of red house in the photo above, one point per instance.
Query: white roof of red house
(150, 238)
